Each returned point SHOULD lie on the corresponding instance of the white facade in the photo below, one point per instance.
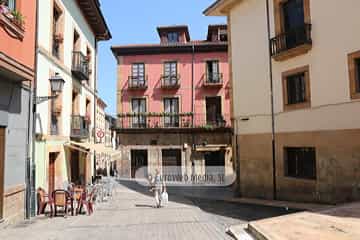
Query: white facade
(48, 64)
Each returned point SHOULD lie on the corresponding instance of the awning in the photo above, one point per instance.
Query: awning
(98, 148)
(77, 146)
(211, 148)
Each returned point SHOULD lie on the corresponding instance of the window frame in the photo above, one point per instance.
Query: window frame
(14, 4)
(172, 34)
(354, 75)
(301, 105)
(298, 174)
(207, 72)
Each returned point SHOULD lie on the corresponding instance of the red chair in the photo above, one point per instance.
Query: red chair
(86, 200)
(44, 200)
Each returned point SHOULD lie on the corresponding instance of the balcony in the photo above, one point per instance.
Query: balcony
(80, 66)
(171, 121)
(292, 43)
(170, 81)
(213, 80)
(137, 82)
(79, 127)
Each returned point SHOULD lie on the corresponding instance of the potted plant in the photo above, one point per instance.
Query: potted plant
(18, 18)
(58, 37)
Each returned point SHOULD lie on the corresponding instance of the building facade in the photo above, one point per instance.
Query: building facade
(68, 34)
(296, 105)
(173, 103)
(17, 61)
(100, 121)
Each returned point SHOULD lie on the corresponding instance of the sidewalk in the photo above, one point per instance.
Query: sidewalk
(337, 223)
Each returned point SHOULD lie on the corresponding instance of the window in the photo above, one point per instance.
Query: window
(138, 74)
(213, 111)
(54, 128)
(296, 89)
(223, 35)
(212, 72)
(171, 107)
(300, 162)
(173, 37)
(57, 32)
(11, 4)
(292, 28)
(354, 74)
(170, 73)
(138, 106)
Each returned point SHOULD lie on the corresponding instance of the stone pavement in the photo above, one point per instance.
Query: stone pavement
(338, 223)
(130, 215)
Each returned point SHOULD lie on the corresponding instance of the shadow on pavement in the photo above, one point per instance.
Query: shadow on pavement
(209, 200)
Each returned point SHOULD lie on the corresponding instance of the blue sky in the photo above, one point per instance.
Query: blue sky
(135, 21)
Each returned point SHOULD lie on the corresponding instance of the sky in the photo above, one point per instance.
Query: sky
(135, 21)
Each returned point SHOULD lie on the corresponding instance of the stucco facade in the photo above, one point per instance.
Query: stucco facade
(330, 121)
(185, 82)
(17, 51)
(67, 47)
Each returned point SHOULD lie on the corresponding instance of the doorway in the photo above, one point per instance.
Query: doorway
(215, 162)
(75, 167)
(52, 164)
(2, 161)
(139, 160)
(213, 110)
(171, 162)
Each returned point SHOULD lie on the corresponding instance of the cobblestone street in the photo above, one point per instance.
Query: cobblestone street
(130, 215)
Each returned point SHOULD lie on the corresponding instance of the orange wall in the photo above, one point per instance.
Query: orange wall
(22, 51)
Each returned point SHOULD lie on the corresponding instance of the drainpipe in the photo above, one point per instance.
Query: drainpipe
(192, 82)
(31, 165)
(272, 101)
(95, 101)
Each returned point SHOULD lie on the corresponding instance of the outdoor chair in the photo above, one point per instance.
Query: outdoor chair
(86, 200)
(44, 200)
(62, 198)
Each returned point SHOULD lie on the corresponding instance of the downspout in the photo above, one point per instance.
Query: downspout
(95, 101)
(31, 166)
(272, 102)
(193, 147)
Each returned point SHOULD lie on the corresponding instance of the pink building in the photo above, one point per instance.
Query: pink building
(173, 102)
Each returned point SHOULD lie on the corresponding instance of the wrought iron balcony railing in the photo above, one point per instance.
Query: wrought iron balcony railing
(291, 39)
(171, 120)
(137, 82)
(213, 79)
(79, 127)
(80, 66)
(170, 81)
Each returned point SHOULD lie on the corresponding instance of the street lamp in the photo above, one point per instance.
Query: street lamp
(57, 85)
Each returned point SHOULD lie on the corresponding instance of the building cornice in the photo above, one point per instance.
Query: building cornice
(150, 49)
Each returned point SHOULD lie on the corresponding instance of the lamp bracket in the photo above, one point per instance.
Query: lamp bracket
(39, 100)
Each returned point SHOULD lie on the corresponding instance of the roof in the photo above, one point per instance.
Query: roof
(170, 48)
(173, 28)
(101, 103)
(93, 15)
(220, 7)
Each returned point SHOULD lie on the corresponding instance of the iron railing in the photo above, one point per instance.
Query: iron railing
(213, 79)
(137, 82)
(171, 120)
(80, 66)
(293, 38)
(79, 127)
(170, 81)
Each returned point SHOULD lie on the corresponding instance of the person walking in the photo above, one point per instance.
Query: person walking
(158, 187)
